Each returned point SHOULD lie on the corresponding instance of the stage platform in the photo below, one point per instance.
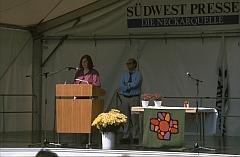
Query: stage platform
(24, 144)
(68, 152)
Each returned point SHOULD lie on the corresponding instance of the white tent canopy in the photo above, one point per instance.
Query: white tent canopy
(31, 12)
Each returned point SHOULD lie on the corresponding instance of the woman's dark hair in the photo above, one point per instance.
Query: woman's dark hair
(90, 62)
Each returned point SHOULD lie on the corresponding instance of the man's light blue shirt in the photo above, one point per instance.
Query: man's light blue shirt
(132, 88)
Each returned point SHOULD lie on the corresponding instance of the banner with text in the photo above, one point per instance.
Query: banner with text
(163, 13)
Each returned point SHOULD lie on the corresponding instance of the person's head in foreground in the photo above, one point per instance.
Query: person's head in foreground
(46, 153)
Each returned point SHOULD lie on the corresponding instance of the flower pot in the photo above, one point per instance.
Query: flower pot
(145, 103)
(108, 140)
(158, 103)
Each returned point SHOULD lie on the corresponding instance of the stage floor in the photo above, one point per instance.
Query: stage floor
(68, 152)
(24, 144)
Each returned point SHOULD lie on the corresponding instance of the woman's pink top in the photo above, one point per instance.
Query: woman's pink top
(92, 77)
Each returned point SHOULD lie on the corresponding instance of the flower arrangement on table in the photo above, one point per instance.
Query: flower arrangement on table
(109, 121)
(146, 97)
(149, 97)
(157, 97)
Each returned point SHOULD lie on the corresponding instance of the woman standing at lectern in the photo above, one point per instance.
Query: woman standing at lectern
(86, 74)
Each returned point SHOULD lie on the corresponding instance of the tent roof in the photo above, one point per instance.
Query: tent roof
(30, 12)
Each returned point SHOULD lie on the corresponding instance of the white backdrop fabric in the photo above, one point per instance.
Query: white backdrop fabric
(16, 63)
(233, 51)
(162, 62)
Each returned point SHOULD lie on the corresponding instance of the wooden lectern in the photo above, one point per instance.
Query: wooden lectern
(77, 106)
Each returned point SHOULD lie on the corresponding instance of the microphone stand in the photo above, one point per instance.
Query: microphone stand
(45, 140)
(197, 146)
(46, 75)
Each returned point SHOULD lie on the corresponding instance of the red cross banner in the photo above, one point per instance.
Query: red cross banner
(163, 128)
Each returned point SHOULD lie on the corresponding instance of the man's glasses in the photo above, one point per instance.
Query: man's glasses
(129, 63)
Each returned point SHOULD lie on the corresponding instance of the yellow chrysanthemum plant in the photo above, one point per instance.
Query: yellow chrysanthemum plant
(109, 121)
